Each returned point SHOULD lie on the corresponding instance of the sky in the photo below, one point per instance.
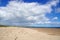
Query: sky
(37, 13)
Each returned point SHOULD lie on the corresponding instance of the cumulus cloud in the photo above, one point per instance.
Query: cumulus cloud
(55, 18)
(57, 10)
(21, 13)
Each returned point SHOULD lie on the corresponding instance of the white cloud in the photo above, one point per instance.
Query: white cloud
(54, 2)
(25, 13)
(55, 18)
(57, 10)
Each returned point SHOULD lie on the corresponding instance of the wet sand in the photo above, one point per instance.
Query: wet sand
(17, 33)
(49, 31)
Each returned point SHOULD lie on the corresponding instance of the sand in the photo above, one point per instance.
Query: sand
(49, 31)
(17, 33)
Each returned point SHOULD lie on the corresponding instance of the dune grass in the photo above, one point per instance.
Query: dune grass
(3, 26)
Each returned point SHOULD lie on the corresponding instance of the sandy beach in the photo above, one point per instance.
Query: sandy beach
(17, 33)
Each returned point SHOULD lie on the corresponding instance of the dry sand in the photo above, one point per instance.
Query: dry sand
(16, 33)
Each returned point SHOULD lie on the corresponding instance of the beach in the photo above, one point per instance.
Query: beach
(19, 33)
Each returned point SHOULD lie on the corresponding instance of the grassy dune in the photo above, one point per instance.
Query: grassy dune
(3, 26)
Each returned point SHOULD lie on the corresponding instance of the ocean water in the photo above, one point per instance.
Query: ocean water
(46, 26)
(38, 26)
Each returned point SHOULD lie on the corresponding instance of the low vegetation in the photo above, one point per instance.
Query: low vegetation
(3, 26)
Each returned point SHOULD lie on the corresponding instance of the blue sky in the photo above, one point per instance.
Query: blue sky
(30, 12)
